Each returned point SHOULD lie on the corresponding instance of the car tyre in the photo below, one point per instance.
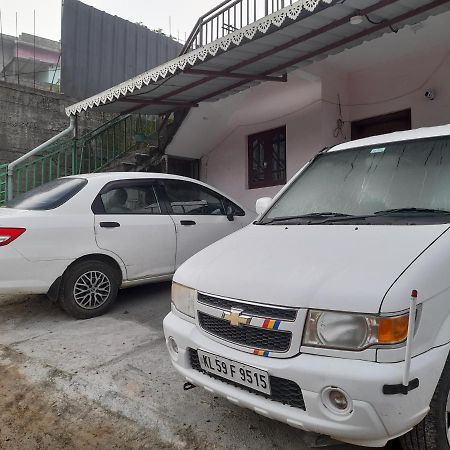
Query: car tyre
(89, 289)
(433, 432)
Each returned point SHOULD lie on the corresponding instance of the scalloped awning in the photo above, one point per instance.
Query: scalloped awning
(291, 38)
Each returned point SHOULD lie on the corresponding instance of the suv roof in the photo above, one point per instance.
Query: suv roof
(419, 133)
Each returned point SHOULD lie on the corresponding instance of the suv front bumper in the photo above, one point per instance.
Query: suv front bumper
(375, 418)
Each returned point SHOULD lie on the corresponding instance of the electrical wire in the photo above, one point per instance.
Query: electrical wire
(374, 22)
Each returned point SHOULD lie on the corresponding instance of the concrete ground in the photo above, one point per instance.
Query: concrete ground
(108, 383)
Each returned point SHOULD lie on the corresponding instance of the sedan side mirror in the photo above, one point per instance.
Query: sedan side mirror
(230, 213)
(262, 204)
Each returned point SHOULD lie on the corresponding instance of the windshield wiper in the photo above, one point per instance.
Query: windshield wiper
(315, 215)
(389, 212)
(423, 211)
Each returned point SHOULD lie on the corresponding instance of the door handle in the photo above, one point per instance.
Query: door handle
(110, 224)
(188, 223)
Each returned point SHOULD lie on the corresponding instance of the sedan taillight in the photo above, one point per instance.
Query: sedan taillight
(7, 235)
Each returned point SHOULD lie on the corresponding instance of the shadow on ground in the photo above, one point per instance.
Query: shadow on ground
(119, 364)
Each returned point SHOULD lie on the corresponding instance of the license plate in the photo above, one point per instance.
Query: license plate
(231, 370)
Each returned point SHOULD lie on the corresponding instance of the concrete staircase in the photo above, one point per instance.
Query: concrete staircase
(129, 143)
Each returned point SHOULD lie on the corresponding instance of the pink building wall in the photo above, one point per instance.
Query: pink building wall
(41, 55)
(402, 84)
(309, 110)
(297, 105)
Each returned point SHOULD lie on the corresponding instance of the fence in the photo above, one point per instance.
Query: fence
(229, 16)
(90, 153)
(3, 171)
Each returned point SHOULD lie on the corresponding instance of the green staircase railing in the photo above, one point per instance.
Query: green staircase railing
(93, 152)
(3, 172)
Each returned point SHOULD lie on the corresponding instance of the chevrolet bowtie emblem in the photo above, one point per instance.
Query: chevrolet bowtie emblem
(236, 318)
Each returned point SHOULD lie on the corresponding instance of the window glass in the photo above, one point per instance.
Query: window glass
(267, 158)
(191, 198)
(257, 160)
(139, 199)
(49, 195)
(370, 180)
(279, 156)
(232, 208)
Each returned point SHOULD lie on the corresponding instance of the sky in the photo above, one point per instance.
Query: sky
(155, 14)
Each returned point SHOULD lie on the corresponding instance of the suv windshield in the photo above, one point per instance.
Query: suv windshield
(49, 195)
(400, 182)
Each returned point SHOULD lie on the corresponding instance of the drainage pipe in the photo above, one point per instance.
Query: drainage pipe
(11, 166)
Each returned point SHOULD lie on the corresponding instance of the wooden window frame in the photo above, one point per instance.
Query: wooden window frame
(404, 117)
(267, 138)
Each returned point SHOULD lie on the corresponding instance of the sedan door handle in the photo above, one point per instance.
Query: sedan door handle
(188, 223)
(110, 224)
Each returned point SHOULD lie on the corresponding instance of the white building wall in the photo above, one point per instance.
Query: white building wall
(380, 76)
(296, 104)
(309, 109)
(401, 84)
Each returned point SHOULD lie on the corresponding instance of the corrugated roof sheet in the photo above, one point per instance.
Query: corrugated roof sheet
(100, 50)
(294, 37)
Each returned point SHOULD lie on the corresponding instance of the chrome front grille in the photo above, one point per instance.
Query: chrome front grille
(255, 337)
(264, 330)
(252, 309)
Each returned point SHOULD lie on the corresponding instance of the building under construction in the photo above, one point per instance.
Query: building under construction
(30, 60)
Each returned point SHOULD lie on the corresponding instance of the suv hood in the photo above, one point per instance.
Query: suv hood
(337, 267)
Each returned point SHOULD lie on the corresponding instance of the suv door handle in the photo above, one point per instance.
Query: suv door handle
(110, 224)
(188, 223)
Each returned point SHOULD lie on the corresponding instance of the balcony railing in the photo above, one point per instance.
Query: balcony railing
(229, 16)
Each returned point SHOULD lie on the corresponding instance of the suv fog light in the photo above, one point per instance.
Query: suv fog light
(173, 347)
(337, 401)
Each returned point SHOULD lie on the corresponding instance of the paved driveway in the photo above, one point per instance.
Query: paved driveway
(119, 361)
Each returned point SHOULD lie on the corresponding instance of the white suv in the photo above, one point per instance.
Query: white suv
(331, 312)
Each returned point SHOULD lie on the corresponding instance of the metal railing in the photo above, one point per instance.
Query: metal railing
(229, 16)
(3, 176)
(90, 153)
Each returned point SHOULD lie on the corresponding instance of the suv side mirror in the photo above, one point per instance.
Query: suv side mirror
(262, 204)
(230, 213)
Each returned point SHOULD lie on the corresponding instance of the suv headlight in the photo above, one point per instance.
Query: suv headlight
(183, 299)
(355, 332)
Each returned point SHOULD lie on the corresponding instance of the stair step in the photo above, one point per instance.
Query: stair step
(140, 157)
(129, 166)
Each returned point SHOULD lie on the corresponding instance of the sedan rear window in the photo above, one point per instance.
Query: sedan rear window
(49, 195)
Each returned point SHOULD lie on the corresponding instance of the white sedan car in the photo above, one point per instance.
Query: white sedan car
(79, 239)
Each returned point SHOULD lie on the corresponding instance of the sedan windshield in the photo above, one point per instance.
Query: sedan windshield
(399, 182)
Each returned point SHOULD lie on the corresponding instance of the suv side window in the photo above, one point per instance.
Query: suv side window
(129, 198)
(193, 199)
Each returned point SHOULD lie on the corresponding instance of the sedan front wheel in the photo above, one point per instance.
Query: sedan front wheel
(89, 289)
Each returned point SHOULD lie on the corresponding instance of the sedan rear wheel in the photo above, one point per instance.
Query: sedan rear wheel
(89, 289)
(92, 290)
